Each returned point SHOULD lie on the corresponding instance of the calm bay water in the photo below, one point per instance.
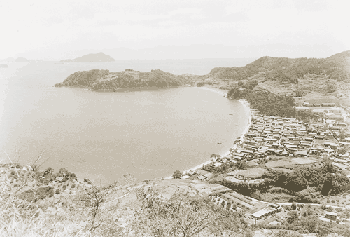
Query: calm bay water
(105, 135)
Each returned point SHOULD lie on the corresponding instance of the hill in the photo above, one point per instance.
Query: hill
(290, 70)
(112, 81)
(97, 57)
(9, 59)
(307, 78)
(21, 59)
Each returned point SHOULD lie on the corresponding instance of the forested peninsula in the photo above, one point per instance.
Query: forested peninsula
(104, 80)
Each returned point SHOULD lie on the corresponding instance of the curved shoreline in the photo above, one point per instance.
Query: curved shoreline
(245, 131)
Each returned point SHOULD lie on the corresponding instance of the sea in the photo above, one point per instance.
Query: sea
(103, 136)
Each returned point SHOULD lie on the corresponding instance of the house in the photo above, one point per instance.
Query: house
(301, 153)
(319, 137)
(310, 139)
(328, 104)
(331, 216)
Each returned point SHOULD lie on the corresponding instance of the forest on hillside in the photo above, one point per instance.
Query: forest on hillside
(266, 102)
(285, 69)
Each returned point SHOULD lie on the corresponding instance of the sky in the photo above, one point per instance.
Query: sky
(182, 29)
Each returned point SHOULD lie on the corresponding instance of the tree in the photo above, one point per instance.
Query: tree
(241, 165)
(292, 217)
(93, 199)
(251, 84)
(330, 87)
(177, 174)
(327, 185)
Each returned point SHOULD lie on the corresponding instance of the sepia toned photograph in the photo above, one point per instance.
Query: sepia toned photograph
(174, 118)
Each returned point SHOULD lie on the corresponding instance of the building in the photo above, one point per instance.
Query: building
(331, 216)
(328, 104)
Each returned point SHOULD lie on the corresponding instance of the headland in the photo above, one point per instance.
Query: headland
(103, 80)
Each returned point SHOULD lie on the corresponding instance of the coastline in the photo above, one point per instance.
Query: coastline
(245, 131)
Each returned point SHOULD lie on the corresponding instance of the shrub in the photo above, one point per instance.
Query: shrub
(34, 195)
(57, 191)
(43, 192)
(177, 174)
(73, 185)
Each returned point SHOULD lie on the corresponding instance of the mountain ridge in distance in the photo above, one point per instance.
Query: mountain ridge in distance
(93, 57)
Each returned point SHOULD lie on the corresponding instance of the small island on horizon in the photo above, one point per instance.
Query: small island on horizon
(17, 60)
(97, 57)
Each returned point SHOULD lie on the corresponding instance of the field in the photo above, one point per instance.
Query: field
(303, 161)
(280, 163)
(249, 173)
(289, 162)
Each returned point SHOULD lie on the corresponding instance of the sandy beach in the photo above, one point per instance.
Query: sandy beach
(247, 109)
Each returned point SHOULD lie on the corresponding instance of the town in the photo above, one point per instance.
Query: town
(273, 143)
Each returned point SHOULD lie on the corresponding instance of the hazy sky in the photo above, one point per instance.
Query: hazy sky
(176, 29)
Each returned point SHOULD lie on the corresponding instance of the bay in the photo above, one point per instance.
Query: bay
(102, 136)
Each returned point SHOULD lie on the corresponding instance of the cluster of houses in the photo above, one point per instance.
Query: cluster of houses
(327, 112)
(288, 139)
(272, 135)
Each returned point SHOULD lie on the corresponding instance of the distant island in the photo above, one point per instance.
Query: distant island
(97, 57)
(21, 59)
(11, 59)
(104, 80)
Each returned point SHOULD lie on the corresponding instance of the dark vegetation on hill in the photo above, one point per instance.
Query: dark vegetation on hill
(264, 101)
(83, 79)
(268, 103)
(290, 70)
(104, 80)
